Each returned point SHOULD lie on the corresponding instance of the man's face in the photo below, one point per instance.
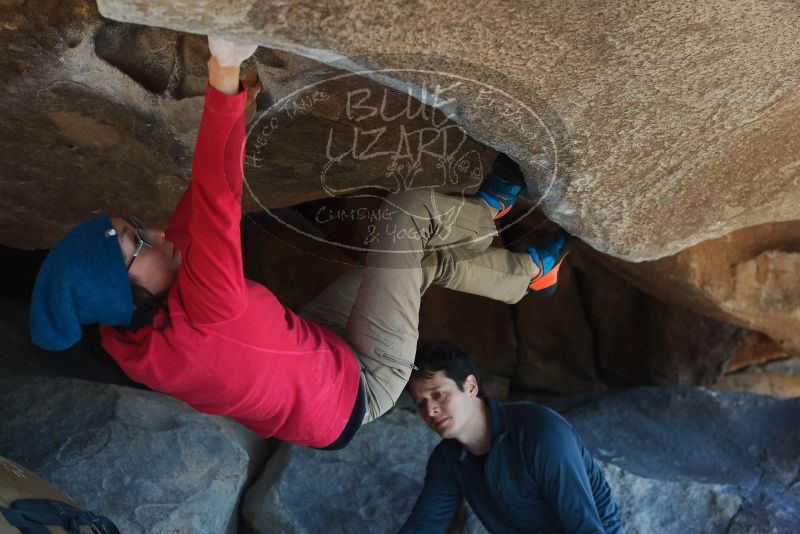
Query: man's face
(442, 405)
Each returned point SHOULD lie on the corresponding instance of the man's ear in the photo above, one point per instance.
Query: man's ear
(471, 385)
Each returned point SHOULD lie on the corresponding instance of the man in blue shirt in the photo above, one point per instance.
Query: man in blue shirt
(521, 466)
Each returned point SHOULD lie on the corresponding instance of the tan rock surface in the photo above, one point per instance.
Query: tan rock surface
(750, 277)
(761, 383)
(756, 348)
(647, 127)
(79, 135)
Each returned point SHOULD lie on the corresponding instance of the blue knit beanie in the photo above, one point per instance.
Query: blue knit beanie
(83, 280)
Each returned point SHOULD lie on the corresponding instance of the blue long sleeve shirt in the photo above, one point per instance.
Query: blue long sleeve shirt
(537, 477)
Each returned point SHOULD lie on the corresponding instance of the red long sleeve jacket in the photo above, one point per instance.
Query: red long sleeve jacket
(223, 344)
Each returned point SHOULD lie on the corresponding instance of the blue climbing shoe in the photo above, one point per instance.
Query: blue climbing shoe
(502, 186)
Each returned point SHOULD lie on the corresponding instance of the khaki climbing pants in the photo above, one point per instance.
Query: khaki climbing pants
(429, 238)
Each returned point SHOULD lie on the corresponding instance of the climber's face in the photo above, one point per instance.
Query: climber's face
(152, 261)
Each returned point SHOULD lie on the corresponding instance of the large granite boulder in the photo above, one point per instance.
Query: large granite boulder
(370, 486)
(116, 109)
(644, 128)
(693, 460)
(671, 506)
(678, 460)
(148, 462)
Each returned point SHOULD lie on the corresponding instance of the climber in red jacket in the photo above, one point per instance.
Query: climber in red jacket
(177, 314)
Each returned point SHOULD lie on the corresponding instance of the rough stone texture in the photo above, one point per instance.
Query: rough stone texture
(678, 460)
(756, 348)
(370, 486)
(668, 506)
(599, 329)
(663, 124)
(735, 455)
(150, 463)
(111, 110)
(788, 366)
(779, 378)
(321, 136)
(74, 123)
(761, 382)
(750, 277)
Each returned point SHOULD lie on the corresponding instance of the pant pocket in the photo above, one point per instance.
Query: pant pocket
(384, 382)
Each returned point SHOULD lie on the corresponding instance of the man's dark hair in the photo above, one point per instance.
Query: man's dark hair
(443, 355)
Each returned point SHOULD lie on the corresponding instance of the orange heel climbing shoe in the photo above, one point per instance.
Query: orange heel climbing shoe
(548, 256)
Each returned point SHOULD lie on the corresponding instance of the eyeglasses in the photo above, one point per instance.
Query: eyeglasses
(142, 238)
